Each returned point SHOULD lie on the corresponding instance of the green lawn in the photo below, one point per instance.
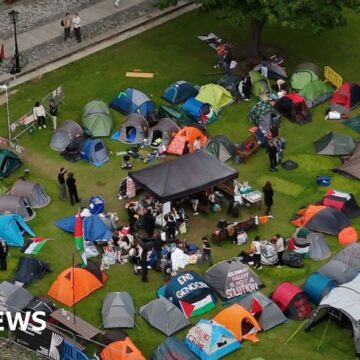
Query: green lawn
(173, 52)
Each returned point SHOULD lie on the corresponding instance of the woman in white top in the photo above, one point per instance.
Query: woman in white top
(76, 24)
(39, 115)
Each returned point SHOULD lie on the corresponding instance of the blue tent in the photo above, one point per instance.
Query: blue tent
(94, 228)
(12, 227)
(95, 152)
(179, 92)
(317, 286)
(210, 340)
(199, 111)
(133, 101)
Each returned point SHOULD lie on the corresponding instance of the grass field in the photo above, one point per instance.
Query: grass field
(172, 52)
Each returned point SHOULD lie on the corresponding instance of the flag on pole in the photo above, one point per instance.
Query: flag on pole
(79, 240)
(2, 54)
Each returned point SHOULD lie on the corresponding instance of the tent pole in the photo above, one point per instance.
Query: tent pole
(295, 332)
(323, 335)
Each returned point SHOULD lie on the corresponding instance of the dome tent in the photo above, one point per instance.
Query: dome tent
(316, 92)
(215, 95)
(162, 133)
(334, 144)
(9, 162)
(62, 136)
(304, 74)
(260, 85)
(15, 204)
(95, 152)
(96, 119)
(221, 147)
(294, 108)
(317, 286)
(179, 91)
(173, 349)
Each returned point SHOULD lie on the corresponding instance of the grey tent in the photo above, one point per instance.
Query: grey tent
(275, 71)
(342, 303)
(32, 192)
(268, 252)
(318, 248)
(183, 176)
(162, 133)
(270, 315)
(334, 144)
(231, 278)
(118, 310)
(15, 204)
(13, 298)
(173, 349)
(221, 147)
(351, 167)
(96, 119)
(63, 135)
(164, 316)
(134, 130)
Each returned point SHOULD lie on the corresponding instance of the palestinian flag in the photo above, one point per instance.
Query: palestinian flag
(195, 307)
(34, 247)
(79, 241)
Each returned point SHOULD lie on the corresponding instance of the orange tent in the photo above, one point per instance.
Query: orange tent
(187, 134)
(307, 214)
(121, 350)
(239, 321)
(74, 284)
(347, 236)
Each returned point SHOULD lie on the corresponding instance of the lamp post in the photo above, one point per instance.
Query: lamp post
(4, 87)
(14, 17)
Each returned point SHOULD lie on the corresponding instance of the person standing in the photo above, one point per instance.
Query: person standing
(71, 185)
(39, 115)
(264, 67)
(76, 23)
(144, 265)
(272, 151)
(206, 252)
(62, 184)
(255, 247)
(171, 227)
(280, 248)
(53, 112)
(268, 196)
(149, 223)
(3, 255)
(227, 61)
(66, 21)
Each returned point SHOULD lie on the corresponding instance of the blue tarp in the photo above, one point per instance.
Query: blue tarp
(93, 227)
(12, 227)
(317, 286)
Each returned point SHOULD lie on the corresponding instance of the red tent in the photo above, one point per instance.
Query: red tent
(346, 98)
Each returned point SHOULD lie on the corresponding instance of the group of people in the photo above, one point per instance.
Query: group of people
(39, 114)
(67, 185)
(71, 21)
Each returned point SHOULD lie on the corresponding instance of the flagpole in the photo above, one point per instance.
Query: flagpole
(73, 284)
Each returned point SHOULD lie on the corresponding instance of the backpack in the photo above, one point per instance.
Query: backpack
(62, 23)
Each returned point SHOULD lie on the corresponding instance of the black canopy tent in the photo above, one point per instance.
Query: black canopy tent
(184, 176)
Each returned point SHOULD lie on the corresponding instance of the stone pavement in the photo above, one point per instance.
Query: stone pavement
(40, 36)
(16, 352)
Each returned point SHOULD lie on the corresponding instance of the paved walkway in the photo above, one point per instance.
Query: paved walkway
(40, 36)
(16, 352)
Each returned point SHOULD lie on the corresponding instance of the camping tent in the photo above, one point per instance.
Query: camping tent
(353, 123)
(16, 205)
(73, 150)
(118, 346)
(344, 202)
(133, 101)
(239, 321)
(176, 114)
(334, 144)
(232, 278)
(173, 349)
(269, 315)
(303, 74)
(30, 269)
(259, 84)
(322, 219)
(317, 286)
(134, 130)
(199, 111)
(231, 84)
(351, 167)
(316, 92)
(74, 284)
(292, 301)
(190, 293)
(62, 136)
(13, 228)
(342, 305)
(95, 152)
(264, 115)
(96, 119)
(215, 95)
(221, 147)
(94, 228)
(293, 107)
(41, 303)
(210, 340)
(13, 298)
(32, 192)
(275, 71)
(346, 98)
(187, 134)
(162, 133)
(118, 310)
(179, 91)
(9, 162)
(318, 248)
(164, 316)
(183, 176)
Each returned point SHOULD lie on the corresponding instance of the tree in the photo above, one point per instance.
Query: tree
(316, 14)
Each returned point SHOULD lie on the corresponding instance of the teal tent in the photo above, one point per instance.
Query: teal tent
(12, 228)
(353, 123)
(96, 119)
(176, 114)
(9, 162)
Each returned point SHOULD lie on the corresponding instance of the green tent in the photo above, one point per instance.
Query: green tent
(96, 119)
(176, 114)
(301, 78)
(353, 123)
(259, 84)
(221, 147)
(215, 95)
(316, 92)
(9, 162)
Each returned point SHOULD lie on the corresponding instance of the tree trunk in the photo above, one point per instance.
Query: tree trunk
(256, 31)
